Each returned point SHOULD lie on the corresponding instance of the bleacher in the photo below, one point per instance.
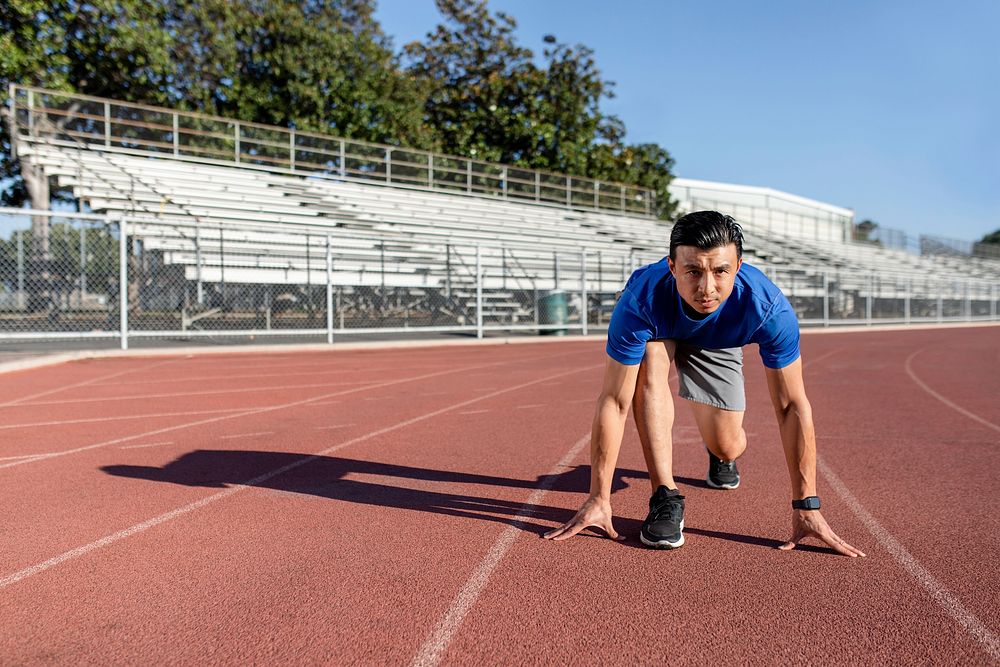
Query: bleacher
(226, 221)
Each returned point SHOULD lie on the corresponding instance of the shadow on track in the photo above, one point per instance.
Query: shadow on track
(331, 477)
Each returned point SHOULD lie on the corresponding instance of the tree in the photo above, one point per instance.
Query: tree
(992, 238)
(863, 231)
(321, 65)
(487, 99)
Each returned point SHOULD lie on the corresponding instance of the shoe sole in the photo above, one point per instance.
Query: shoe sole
(663, 544)
(724, 487)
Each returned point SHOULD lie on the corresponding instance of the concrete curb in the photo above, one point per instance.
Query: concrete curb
(62, 357)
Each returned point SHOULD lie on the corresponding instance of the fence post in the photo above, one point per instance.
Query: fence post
(123, 282)
(826, 298)
(940, 303)
(868, 303)
(20, 269)
(107, 124)
(197, 261)
(388, 165)
(430, 170)
(906, 301)
(583, 290)
(291, 149)
(479, 292)
(503, 182)
(569, 191)
(597, 194)
(329, 291)
(83, 262)
(31, 113)
(993, 301)
(177, 139)
(343, 160)
(236, 134)
(968, 302)
(538, 185)
(468, 176)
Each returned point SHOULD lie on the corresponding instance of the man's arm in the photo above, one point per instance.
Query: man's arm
(798, 437)
(605, 441)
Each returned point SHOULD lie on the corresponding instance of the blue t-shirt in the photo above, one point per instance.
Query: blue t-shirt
(756, 312)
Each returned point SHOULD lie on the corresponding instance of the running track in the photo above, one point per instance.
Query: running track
(385, 507)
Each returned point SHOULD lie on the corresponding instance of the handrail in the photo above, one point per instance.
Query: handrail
(160, 131)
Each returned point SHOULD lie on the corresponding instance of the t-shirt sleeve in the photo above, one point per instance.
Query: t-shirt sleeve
(628, 332)
(778, 336)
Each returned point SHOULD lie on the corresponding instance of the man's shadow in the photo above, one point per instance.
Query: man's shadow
(334, 478)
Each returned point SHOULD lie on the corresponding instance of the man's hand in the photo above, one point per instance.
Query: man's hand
(810, 523)
(594, 513)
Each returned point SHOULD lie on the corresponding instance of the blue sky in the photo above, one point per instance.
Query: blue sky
(888, 107)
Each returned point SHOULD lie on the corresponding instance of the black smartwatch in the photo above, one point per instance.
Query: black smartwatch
(810, 503)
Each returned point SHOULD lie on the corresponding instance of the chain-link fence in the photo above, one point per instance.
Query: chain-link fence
(61, 276)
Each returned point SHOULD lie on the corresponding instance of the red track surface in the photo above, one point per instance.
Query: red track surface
(173, 514)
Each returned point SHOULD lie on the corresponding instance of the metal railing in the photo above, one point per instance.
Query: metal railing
(138, 277)
(99, 123)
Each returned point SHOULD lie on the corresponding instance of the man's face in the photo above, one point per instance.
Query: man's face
(705, 277)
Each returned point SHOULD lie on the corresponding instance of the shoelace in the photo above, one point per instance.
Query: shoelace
(668, 509)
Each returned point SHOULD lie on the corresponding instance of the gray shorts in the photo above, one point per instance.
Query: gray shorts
(714, 377)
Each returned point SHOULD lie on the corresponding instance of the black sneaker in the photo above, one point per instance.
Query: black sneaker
(722, 474)
(663, 528)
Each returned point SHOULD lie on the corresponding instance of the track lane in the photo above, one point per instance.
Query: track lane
(347, 586)
(269, 560)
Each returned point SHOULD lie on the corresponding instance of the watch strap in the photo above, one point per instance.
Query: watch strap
(809, 503)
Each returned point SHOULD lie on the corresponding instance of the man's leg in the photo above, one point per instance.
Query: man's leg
(653, 408)
(721, 430)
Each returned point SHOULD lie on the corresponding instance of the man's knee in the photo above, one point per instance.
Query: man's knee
(728, 446)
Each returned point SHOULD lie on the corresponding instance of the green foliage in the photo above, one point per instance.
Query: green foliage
(326, 66)
(487, 99)
(863, 231)
(992, 238)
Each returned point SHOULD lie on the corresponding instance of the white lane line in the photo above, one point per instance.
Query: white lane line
(155, 521)
(202, 378)
(256, 411)
(950, 404)
(326, 428)
(473, 412)
(245, 435)
(84, 383)
(91, 420)
(531, 405)
(152, 444)
(21, 456)
(935, 588)
(328, 403)
(437, 642)
(182, 394)
(237, 415)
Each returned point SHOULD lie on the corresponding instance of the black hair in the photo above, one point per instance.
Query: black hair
(706, 230)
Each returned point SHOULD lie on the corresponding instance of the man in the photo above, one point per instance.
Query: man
(697, 309)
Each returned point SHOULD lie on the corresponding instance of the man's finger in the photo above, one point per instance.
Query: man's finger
(612, 533)
(839, 545)
(554, 532)
(568, 532)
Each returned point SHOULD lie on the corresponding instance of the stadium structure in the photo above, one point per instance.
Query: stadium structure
(196, 226)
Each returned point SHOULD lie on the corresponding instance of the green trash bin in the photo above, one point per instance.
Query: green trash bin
(553, 308)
